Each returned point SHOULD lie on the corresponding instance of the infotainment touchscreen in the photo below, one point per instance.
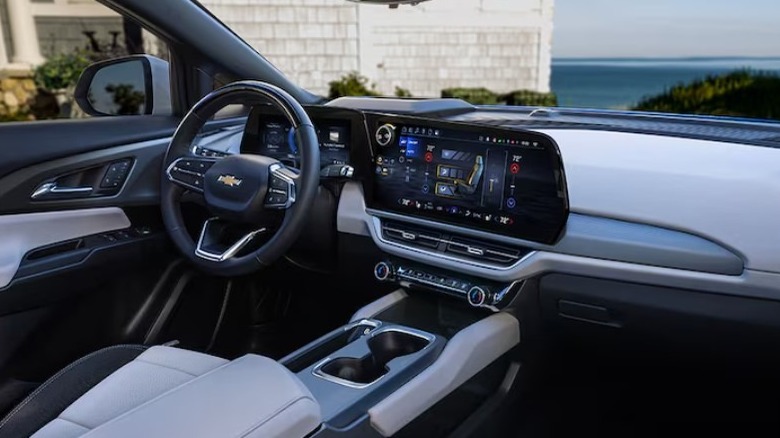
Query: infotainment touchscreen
(500, 181)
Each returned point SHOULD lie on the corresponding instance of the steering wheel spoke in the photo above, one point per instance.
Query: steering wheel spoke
(281, 187)
(188, 172)
(209, 246)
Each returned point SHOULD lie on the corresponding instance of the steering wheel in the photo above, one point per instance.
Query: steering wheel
(239, 189)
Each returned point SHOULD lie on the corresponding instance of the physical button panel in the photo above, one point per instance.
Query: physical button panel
(189, 172)
(477, 292)
(116, 174)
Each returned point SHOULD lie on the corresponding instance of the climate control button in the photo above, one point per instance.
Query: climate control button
(478, 296)
(383, 271)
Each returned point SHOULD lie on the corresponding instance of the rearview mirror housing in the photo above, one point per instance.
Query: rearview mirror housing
(391, 3)
(131, 85)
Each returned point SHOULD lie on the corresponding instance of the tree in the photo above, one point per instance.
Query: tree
(351, 84)
(742, 93)
(126, 98)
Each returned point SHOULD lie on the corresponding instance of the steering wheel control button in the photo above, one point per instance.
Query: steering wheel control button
(385, 134)
(276, 199)
(383, 271)
(278, 183)
(281, 188)
(189, 172)
(477, 296)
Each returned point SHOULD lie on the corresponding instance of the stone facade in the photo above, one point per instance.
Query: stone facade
(503, 45)
(17, 93)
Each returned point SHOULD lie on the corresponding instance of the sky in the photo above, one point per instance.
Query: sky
(666, 28)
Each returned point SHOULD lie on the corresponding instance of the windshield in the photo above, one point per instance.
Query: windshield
(712, 57)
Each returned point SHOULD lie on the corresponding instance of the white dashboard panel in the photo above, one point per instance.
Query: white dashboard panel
(727, 193)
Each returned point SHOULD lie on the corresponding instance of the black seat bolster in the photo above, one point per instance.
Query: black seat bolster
(54, 395)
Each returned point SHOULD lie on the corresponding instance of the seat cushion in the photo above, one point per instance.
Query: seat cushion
(56, 394)
(250, 397)
(155, 371)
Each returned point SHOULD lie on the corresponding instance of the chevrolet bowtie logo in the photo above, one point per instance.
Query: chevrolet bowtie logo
(229, 180)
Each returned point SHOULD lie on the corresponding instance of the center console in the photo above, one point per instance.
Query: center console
(398, 357)
(356, 366)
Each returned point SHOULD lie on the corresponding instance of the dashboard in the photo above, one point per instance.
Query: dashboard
(489, 179)
(485, 200)
(657, 209)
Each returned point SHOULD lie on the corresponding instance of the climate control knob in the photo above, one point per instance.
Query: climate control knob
(383, 271)
(479, 296)
(384, 135)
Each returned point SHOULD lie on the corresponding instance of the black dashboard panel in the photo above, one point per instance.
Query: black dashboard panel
(507, 182)
(341, 133)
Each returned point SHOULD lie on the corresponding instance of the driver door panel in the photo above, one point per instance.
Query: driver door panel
(76, 267)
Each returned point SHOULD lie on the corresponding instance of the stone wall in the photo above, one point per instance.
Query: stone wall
(17, 93)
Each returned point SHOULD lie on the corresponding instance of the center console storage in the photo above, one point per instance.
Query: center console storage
(354, 367)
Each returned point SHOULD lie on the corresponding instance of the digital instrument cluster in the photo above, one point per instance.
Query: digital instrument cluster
(506, 182)
(276, 139)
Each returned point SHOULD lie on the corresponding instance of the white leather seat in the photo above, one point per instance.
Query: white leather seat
(167, 392)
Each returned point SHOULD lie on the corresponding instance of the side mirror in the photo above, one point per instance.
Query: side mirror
(131, 85)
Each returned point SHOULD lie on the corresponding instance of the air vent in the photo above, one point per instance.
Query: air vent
(481, 251)
(403, 233)
(456, 246)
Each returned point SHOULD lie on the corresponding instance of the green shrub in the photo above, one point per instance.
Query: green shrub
(741, 93)
(474, 96)
(530, 98)
(351, 84)
(61, 71)
(402, 92)
(15, 117)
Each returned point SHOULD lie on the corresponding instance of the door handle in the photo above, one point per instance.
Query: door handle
(52, 189)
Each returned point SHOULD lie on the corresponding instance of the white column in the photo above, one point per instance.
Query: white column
(3, 52)
(544, 66)
(24, 36)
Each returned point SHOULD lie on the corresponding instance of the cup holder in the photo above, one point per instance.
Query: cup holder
(384, 347)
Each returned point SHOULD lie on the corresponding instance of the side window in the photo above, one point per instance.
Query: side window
(46, 44)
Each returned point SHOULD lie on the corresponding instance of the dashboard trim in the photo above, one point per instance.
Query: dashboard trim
(355, 218)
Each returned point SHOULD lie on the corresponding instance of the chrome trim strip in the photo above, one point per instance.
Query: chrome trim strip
(230, 252)
(317, 370)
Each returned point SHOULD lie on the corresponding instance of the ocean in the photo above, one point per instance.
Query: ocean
(621, 83)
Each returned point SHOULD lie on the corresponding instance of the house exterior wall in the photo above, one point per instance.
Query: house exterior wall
(65, 34)
(312, 41)
(503, 45)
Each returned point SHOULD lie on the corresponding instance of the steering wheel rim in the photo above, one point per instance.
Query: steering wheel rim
(301, 188)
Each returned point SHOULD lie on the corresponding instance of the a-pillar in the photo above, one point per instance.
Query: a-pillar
(24, 36)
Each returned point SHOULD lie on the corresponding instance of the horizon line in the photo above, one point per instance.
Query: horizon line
(661, 58)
